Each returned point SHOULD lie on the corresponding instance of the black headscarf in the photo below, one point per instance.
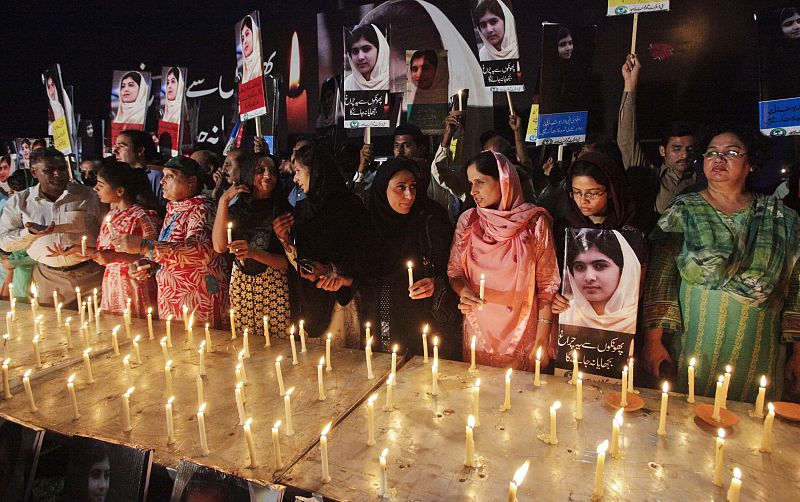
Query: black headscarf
(621, 211)
(326, 182)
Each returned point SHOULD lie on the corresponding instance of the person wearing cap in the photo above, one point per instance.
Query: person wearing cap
(188, 270)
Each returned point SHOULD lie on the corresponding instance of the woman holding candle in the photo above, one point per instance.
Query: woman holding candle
(318, 240)
(511, 244)
(259, 283)
(733, 252)
(190, 272)
(133, 205)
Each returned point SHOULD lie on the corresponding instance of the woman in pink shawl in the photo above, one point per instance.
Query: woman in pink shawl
(510, 242)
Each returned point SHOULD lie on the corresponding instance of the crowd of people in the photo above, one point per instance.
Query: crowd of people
(470, 252)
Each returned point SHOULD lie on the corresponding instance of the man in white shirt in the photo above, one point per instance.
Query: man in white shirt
(49, 220)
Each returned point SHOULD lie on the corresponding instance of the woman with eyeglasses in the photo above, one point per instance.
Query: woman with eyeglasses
(723, 286)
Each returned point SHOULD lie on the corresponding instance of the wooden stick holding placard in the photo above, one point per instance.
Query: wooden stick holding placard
(367, 135)
(510, 103)
(258, 127)
(635, 30)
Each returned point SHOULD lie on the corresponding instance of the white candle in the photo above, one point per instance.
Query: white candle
(201, 352)
(150, 324)
(394, 361)
(599, 469)
(323, 447)
(267, 342)
(469, 458)
(579, 397)
(94, 295)
(26, 382)
(295, 362)
(435, 379)
(6, 386)
(201, 425)
(410, 265)
(170, 424)
(239, 403)
(718, 399)
(616, 425)
(115, 340)
(553, 409)
(367, 326)
(126, 316)
(624, 395)
(630, 376)
(230, 233)
(537, 370)
(208, 345)
(241, 364)
(68, 328)
(126, 361)
(136, 349)
(574, 367)
(185, 310)
(58, 313)
(164, 350)
(37, 357)
(169, 330)
(758, 412)
(507, 401)
(389, 401)
(368, 353)
(14, 309)
(371, 419)
(517, 480)
(482, 291)
(73, 398)
(281, 388)
(201, 394)
(287, 407)
(734, 491)
(436, 350)
(238, 372)
(83, 246)
(302, 336)
(126, 410)
(472, 366)
(90, 308)
(476, 398)
(460, 102)
(328, 352)
(725, 385)
(383, 482)
(766, 436)
(85, 334)
(87, 363)
(82, 308)
(662, 419)
(320, 383)
(168, 377)
(425, 344)
(9, 317)
(233, 324)
(692, 362)
(276, 444)
(251, 447)
(719, 445)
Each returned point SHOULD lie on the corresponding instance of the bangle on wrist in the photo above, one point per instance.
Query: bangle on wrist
(545, 321)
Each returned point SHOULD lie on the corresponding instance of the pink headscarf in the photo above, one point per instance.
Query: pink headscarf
(498, 245)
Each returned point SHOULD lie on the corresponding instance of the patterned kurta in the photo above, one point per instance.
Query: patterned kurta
(191, 273)
(727, 286)
(118, 286)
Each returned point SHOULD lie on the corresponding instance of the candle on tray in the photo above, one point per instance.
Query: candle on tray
(328, 352)
(574, 367)
(368, 354)
(6, 386)
(241, 364)
(169, 330)
(320, 383)
(367, 326)
(719, 446)
(115, 340)
(287, 406)
(126, 362)
(136, 349)
(295, 362)
(616, 425)
(394, 361)
(436, 350)
(73, 398)
(201, 425)
(383, 482)
(371, 419)
(26, 382)
(87, 363)
(553, 409)
(469, 458)
(389, 401)
(507, 401)
(126, 410)
(279, 374)
(599, 469)
(718, 399)
(579, 397)
(425, 344)
(735, 489)
(59, 306)
(323, 447)
(201, 352)
(662, 420)
(725, 385)
(170, 424)
(517, 480)
(302, 336)
(266, 332)
(239, 402)
(276, 444)
(692, 362)
(766, 436)
(201, 394)
(233, 324)
(209, 345)
(758, 412)
(164, 350)
(68, 329)
(251, 447)
(246, 343)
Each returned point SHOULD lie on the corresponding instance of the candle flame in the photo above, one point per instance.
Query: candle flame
(474, 341)
(330, 335)
(289, 391)
(149, 310)
(665, 387)
(327, 429)
(279, 359)
(239, 386)
(87, 351)
(721, 379)
(27, 373)
(574, 354)
(36, 339)
(137, 338)
(373, 397)
(230, 311)
(728, 369)
(291, 330)
(721, 433)
(115, 329)
(618, 416)
(580, 375)
(6, 361)
(294, 64)
(169, 318)
(78, 290)
(483, 277)
(692, 362)
(508, 374)
(425, 329)
(60, 305)
(625, 369)
(556, 405)
(241, 354)
(322, 360)
(602, 447)
(202, 409)
(390, 379)
(72, 379)
(171, 399)
(771, 407)
(33, 289)
(410, 264)
(763, 380)
(471, 421)
(168, 365)
(384, 453)
(163, 340)
(368, 325)
(248, 422)
(737, 473)
(127, 358)
(185, 308)
(202, 346)
(302, 322)
(435, 340)
(521, 472)
(394, 348)
(477, 383)
(130, 391)
(276, 425)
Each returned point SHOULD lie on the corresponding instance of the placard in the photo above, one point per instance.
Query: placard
(366, 77)
(129, 96)
(426, 89)
(567, 65)
(59, 112)
(779, 81)
(780, 117)
(498, 48)
(99, 470)
(172, 109)
(532, 132)
(562, 128)
(19, 452)
(623, 7)
(250, 67)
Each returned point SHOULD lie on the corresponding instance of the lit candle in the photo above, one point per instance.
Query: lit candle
(537, 371)
(267, 342)
(579, 397)
(73, 398)
(87, 363)
(394, 361)
(517, 480)
(425, 344)
(328, 353)
(616, 425)
(82, 307)
(6, 386)
(26, 382)
(718, 399)
(89, 308)
(201, 394)
(476, 397)
(14, 309)
(209, 345)
(230, 234)
(37, 357)
(279, 374)
(574, 367)
(553, 409)
(168, 377)
(9, 317)
(276, 444)
(766, 436)
(238, 372)
(599, 469)
(368, 326)
(410, 265)
(435, 379)
(85, 334)
(302, 336)
(185, 310)
(164, 350)
(469, 458)
(734, 491)
(126, 316)
(190, 329)
(201, 352)
(507, 401)
(35, 299)
(662, 419)
(97, 320)
(383, 482)
(287, 407)
(323, 447)
(126, 410)
(201, 425)
(251, 447)
(472, 367)
(762, 389)
(295, 362)
(389, 401)
(126, 362)
(371, 419)
(460, 102)
(320, 383)
(239, 402)
(150, 323)
(241, 363)
(58, 313)
(233, 324)
(94, 295)
(719, 446)
(170, 424)
(630, 376)
(246, 343)
(436, 350)
(692, 362)
(68, 329)
(83, 246)
(624, 395)
(368, 353)
(725, 385)
(169, 330)
(482, 291)
(115, 340)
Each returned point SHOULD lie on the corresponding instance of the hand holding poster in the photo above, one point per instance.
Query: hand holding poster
(779, 51)
(498, 49)
(173, 83)
(249, 67)
(366, 82)
(129, 93)
(426, 89)
(59, 122)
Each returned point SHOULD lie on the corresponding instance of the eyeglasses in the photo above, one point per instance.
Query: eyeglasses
(730, 155)
(590, 196)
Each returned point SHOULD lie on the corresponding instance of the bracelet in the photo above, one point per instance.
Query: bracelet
(150, 249)
(545, 321)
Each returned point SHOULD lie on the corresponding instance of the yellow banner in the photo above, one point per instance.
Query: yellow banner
(533, 124)
(61, 136)
(623, 7)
